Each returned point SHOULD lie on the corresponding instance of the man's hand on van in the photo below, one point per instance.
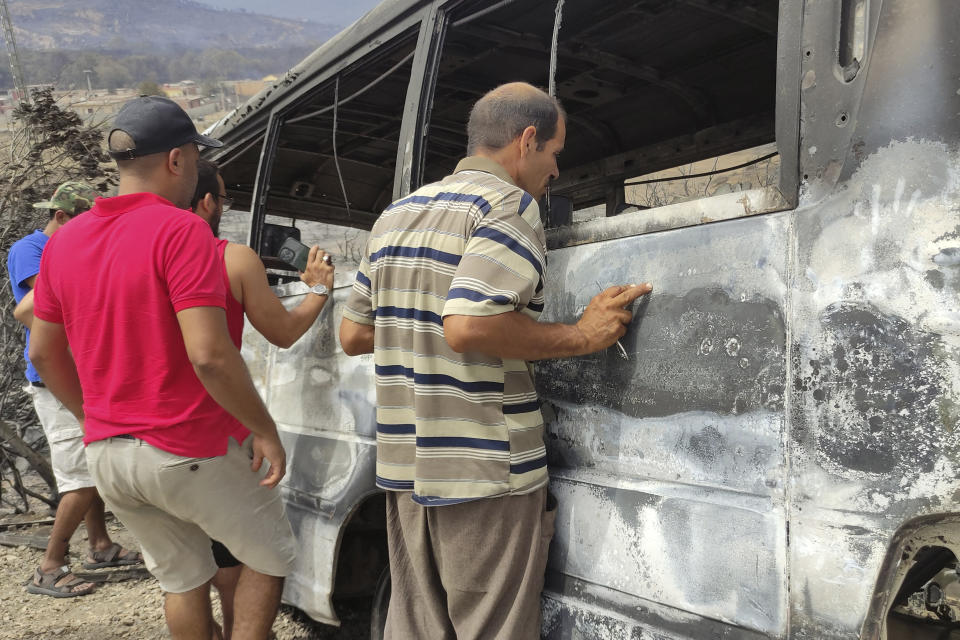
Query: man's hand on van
(605, 319)
(271, 449)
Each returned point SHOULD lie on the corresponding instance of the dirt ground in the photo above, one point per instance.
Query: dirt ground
(131, 608)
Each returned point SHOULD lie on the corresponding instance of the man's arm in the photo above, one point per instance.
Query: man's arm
(265, 311)
(356, 338)
(23, 312)
(51, 357)
(224, 375)
(518, 336)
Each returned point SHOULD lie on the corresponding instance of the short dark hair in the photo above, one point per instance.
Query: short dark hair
(77, 211)
(499, 117)
(206, 181)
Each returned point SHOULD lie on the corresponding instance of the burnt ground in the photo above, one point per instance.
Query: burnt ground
(126, 604)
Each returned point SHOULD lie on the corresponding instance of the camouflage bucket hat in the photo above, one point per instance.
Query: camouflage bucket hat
(71, 197)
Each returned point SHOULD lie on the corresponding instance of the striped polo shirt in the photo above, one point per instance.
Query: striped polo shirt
(451, 426)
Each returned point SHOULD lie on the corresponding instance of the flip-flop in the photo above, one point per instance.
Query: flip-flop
(110, 557)
(45, 583)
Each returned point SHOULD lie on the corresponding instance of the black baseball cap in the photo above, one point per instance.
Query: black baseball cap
(156, 124)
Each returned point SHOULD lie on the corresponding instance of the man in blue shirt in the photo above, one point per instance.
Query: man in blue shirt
(79, 499)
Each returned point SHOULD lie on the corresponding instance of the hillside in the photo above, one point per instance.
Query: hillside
(137, 26)
(339, 12)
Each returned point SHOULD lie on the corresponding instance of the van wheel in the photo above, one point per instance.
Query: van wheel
(378, 611)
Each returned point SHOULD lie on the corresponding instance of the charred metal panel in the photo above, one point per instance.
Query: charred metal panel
(591, 611)
(906, 85)
(876, 319)
(302, 393)
(681, 446)
(323, 403)
(913, 86)
(345, 473)
(876, 352)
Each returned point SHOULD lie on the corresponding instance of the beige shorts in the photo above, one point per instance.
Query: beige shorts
(65, 437)
(174, 505)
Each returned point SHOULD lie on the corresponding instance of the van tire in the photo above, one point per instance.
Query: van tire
(378, 610)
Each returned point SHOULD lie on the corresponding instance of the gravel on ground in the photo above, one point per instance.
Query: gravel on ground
(132, 608)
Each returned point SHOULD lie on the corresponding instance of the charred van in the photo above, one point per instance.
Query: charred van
(778, 454)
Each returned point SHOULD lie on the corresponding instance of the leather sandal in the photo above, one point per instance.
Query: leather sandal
(112, 556)
(45, 583)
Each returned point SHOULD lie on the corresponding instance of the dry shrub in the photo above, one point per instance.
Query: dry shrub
(49, 146)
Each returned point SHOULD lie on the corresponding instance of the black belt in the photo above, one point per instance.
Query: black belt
(38, 384)
(125, 436)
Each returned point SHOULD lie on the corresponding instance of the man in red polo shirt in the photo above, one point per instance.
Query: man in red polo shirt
(136, 289)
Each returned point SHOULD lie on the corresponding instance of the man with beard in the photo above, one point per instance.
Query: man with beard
(247, 292)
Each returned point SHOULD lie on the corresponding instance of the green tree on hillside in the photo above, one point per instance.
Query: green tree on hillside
(149, 88)
(111, 75)
(219, 64)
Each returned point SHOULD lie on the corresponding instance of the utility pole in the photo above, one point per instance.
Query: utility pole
(19, 85)
(20, 140)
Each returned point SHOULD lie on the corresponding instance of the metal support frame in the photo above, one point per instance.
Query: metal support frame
(787, 118)
(546, 213)
(411, 153)
(261, 187)
(482, 12)
(554, 43)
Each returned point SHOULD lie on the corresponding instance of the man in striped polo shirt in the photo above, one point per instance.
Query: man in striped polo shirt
(447, 300)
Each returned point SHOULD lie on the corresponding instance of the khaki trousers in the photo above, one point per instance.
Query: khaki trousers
(469, 571)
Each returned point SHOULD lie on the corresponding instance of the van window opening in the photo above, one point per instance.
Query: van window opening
(335, 153)
(333, 167)
(342, 155)
(754, 168)
(647, 86)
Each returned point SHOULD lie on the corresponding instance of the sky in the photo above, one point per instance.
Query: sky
(337, 12)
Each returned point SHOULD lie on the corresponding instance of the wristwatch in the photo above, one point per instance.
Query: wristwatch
(320, 290)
